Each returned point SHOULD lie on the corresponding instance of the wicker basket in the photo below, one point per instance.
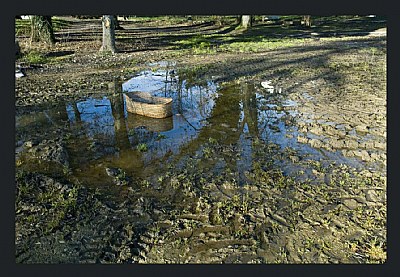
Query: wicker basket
(144, 103)
(152, 124)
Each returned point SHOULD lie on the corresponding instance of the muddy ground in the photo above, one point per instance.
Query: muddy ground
(320, 212)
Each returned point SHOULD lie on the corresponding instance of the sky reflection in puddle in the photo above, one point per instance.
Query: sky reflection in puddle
(232, 115)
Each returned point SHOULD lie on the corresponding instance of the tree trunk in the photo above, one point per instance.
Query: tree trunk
(17, 48)
(117, 26)
(246, 21)
(218, 20)
(238, 19)
(42, 29)
(108, 34)
(307, 20)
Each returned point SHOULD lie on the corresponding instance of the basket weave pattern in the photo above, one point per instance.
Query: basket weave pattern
(144, 103)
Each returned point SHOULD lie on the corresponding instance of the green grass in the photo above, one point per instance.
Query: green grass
(169, 19)
(179, 19)
(193, 41)
(52, 203)
(35, 57)
(264, 36)
(23, 26)
(204, 48)
(161, 136)
(211, 44)
(208, 152)
(258, 46)
(142, 147)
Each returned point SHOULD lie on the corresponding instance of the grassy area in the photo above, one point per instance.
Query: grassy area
(39, 57)
(263, 36)
(226, 37)
(211, 44)
(34, 57)
(180, 19)
(55, 204)
(263, 45)
(23, 26)
(166, 19)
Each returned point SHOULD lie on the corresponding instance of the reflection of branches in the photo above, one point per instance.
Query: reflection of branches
(77, 115)
(264, 127)
(226, 112)
(190, 124)
(120, 128)
(250, 110)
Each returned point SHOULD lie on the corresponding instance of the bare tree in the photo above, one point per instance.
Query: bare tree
(307, 20)
(42, 29)
(246, 21)
(17, 48)
(218, 19)
(116, 22)
(108, 34)
(238, 19)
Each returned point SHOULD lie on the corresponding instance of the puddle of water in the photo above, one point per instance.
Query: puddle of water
(103, 134)
(95, 114)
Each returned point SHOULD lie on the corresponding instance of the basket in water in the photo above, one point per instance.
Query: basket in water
(144, 103)
(134, 121)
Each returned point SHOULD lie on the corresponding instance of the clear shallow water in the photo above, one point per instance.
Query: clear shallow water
(101, 133)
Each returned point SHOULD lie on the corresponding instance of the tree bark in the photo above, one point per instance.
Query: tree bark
(117, 26)
(238, 19)
(42, 29)
(246, 21)
(17, 48)
(307, 20)
(218, 20)
(108, 34)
